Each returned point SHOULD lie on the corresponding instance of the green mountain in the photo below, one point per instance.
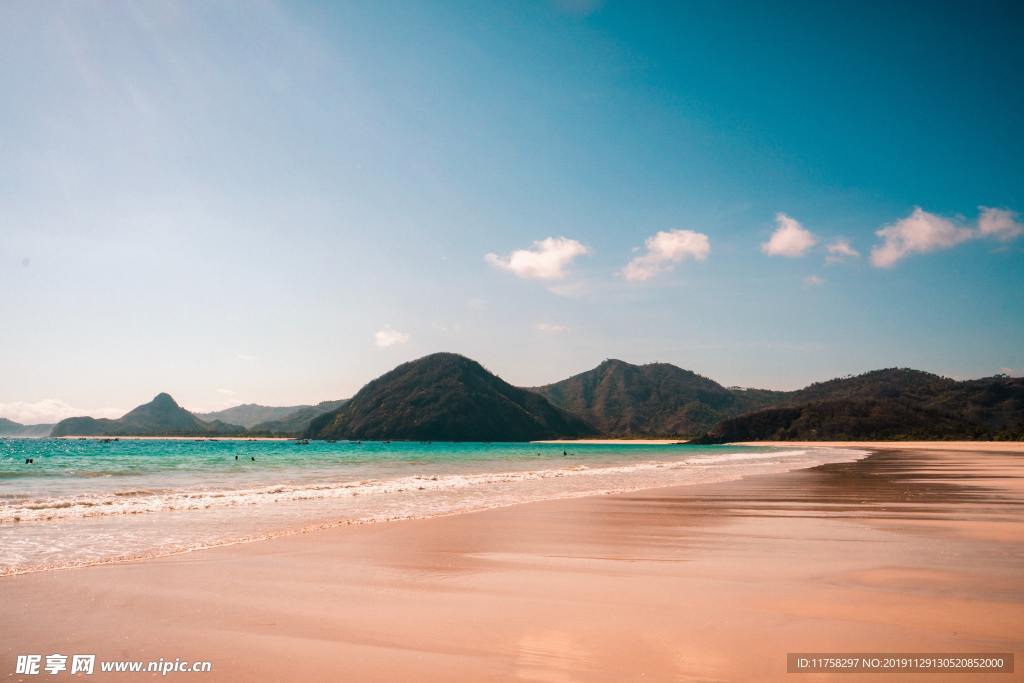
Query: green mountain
(297, 422)
(12, 428)
(659, 399)
(892, 404)
(446, 397)
(250, 414)
(160, 417)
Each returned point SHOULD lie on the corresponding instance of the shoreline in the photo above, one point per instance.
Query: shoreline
(316, 526)
(320, 523)
(954, 446)
(992, 446)
(702, 582)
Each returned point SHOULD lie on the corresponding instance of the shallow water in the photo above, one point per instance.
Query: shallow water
(85, 501)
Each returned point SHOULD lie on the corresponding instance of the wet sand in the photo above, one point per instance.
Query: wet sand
(907, 550)
(974, 446)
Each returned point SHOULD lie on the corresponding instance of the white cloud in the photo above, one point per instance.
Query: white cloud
(551, 328)
(1000, 224)
(920, 232)
(664, 249)
(50, 410)
(813, 281)
(839, 251)
(789, 239)
(923, 232)
(388, 336)
(1012, 372)
(247, 357)
(226, 392)
(546, 261)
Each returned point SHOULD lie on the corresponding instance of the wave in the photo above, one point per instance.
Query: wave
(53, 547)
(138, 501)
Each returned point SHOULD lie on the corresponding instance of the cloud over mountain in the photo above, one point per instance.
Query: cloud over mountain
(923, 232)
(547, 260)
(919, 232)
(1000, 224)
(790, 239)
(664, 249)
(840, 250)
(49, 410)
(388, 336)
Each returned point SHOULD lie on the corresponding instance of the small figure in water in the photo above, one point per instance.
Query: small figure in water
(253, 458)
(236, 457)
(30, 461)
(564, 453)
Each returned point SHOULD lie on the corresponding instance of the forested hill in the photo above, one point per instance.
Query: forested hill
(446, 397)
(896, 403)
(657, 399)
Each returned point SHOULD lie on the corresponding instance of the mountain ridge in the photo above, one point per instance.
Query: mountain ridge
(654, 399)
(249, 414)
(10, 428)
(887, 404)
(298, 422)
(160, 417)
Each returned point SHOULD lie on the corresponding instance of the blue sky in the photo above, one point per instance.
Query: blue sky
(276, 202)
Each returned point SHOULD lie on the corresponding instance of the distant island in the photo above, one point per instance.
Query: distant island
(160, 417)
(164, 417)
(448, 397)
(12, 428)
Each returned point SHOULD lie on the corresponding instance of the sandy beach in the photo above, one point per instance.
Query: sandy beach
(432, 341)
(972, 446)
(913, 549)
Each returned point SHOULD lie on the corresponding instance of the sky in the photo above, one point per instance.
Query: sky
(277, 202)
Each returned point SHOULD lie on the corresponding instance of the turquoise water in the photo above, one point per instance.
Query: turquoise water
(84, 501)
(70, 458)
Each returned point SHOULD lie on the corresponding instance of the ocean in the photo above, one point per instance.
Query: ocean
(91, 501)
